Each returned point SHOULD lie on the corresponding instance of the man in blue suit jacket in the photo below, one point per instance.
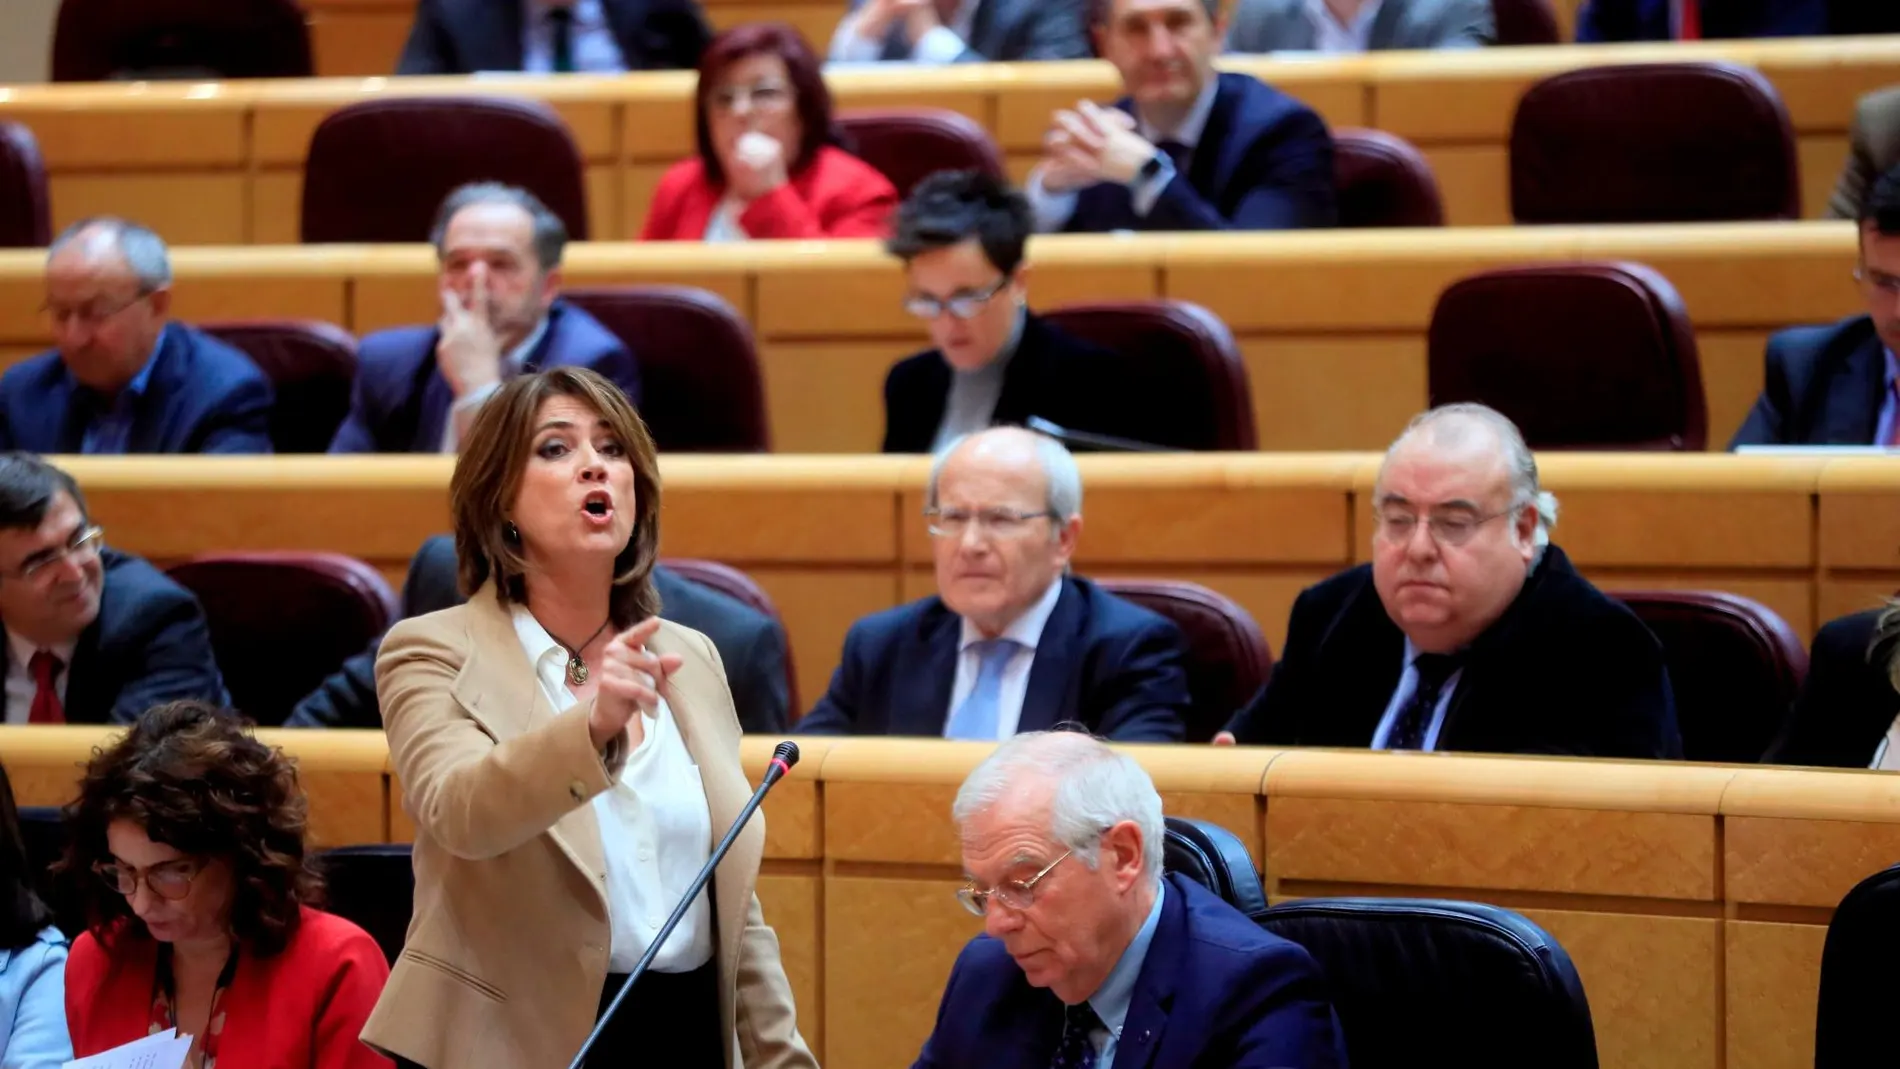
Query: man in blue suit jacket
(1187, 148)
(122, 379)
(1090, 957)
(1655, 20)
(1011, 642)
(418, 388)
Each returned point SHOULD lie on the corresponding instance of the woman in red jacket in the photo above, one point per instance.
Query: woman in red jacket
(768, 164)
(189, 836)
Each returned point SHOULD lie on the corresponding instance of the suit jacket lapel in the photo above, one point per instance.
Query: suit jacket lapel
(1153, 997)
(1209, 164)
(1294, 28)
(1021, 377)
(85, 683)
(507, 33)
(1385, 26)
(148, 422)
(1369, 650)
(1845, 417)
(433, 419)
(1048, 700)
(626, 18)
(921, 699)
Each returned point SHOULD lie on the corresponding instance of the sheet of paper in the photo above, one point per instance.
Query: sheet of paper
(160, 1050)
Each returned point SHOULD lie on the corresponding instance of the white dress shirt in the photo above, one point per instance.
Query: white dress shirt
(20, 686)
(1026, 630)
(655, 828)
(462, 410)
(595, 49)
(1329, 35)
(939, 45)
(1886, 755)
(1052, 210)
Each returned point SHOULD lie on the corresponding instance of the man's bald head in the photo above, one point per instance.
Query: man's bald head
(107, 295)
(1005, 507)
(1474, 436)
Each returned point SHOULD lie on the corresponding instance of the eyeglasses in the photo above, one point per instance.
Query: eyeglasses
(1887, 285)
(168, 879)
(1016, 894)
(765, 96)
(1449, 529)
(961, 306)
(93, 315)
(82, 548)
(998, 522)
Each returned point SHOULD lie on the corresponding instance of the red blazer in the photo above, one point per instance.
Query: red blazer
(836, 196)
(299, 1009)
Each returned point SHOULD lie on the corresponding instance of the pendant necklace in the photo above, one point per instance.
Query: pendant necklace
(577, 668)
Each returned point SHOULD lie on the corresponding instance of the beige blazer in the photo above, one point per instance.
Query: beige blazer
(1874, 150)
(507, 950)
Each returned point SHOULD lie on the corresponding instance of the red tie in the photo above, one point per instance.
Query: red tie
(46, 707)
(1688, 20)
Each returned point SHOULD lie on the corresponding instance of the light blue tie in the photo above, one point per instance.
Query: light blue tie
(977, 717)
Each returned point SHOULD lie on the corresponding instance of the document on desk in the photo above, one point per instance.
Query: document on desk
(160, 1050)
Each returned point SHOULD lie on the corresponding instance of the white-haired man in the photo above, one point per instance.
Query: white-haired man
(1090, 956)
(1468, 631)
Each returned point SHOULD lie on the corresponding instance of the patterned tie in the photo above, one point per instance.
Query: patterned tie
(561, 36)
(1075, 1051)
(1415, 717)
(978, 716)
(46, 708)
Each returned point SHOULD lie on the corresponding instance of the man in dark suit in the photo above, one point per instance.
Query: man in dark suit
(93, 635)
(1188, 148)
(123, 379)
(1848, 712)
(554, 36)
(1468, 631)
(750, 644)
(1835, 384)
(1090, 956)
(961, 31)
(1666, 20)
(1011, 642)
(418, 388)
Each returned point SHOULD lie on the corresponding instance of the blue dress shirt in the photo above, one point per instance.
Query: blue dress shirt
(110, 430)
(1110, 1001)
(1408, 684)
(596, 50)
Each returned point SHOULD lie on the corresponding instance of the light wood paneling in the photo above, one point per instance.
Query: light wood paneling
(1773, 972)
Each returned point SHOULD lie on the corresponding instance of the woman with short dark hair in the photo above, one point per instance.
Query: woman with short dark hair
(32, 957)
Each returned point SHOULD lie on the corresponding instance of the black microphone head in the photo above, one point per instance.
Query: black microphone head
(786, 752)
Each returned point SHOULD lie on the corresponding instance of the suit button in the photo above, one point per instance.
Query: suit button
(577, 790)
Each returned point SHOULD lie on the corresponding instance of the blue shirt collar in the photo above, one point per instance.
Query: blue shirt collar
(1110, 1001)
(1893, 367)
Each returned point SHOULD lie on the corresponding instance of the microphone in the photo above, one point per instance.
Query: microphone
(783, 758)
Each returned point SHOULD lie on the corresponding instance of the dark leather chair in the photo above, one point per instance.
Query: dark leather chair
(702, 388)
(378, 170)
(1215, 858)
(374, 887)
(1653, 143)
(1183, 358)
(1427, 982)
(103, 40)
(1858, 984)
(908, 145)
(26, 215)
(311, 366)
(1579, 356)
(282, 621)
(1734, 666)
(1228, 656)
(738, 585)
(1526, 22)
(43, 833)
(1383, 181)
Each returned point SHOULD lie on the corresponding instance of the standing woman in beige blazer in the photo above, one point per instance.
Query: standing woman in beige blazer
(568, 759)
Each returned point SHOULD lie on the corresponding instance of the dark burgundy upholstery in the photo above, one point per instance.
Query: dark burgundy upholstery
(908, 145)
(101, 40)
(1653, 143)
(310, 364)
(1579, 356)
(699, 373)
(26, 218)
(1183, 359)
(736, 584)
(379, 169)
(1526, 22)
(282, 621)
(1734, 665)
(1228, 657)
(1383, 181)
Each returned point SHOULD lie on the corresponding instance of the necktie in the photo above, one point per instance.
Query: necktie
(1415, 716)
(1688, 20)
(46, 708)
(1075, 1051)
(561, 34)
(1893, 432)
(977, 717)
(1177, 154)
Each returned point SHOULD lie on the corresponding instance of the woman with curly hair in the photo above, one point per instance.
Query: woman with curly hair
(188, 835)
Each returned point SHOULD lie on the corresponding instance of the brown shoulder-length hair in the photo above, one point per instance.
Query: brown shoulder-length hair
(802, 69)
(193, 776)
(487, 481)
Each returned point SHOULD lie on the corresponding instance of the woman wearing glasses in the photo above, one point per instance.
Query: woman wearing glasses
(188, 836)
(768, 163)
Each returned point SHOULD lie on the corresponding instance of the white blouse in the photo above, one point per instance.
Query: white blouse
(655, 828)
(724, 225)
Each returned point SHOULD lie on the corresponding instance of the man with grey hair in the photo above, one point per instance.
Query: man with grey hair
(1468, 631)
(1090, 956)
(124, 378)
(1011, 642)
(418, 388)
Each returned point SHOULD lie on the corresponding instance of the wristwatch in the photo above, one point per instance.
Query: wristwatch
(1153, 168)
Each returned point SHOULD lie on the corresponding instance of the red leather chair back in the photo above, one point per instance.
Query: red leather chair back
(1526, 22)
(281, 622)
(1182, 357)
(378, 170)
(736, 584)
(908, 145)
(101, 40)
(1735, 667)
(1228, 657)
(1653, 143)
(311, 365)
(25, 213)
(1579, 356)
(1383, 181)
(699, 373)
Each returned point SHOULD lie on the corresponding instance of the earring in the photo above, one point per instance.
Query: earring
(510, 534)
